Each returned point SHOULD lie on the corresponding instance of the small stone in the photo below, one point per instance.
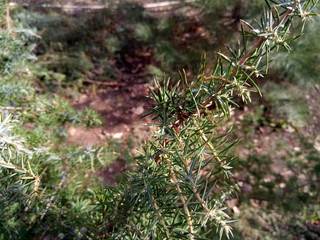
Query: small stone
(297, 149)
(138, 110)
(72, 131)
(117, 135)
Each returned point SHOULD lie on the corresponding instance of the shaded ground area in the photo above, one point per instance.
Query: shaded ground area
(121, 109)
(114, 53)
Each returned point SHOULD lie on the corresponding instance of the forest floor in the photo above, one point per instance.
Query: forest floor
(121, 109)
(120, 103)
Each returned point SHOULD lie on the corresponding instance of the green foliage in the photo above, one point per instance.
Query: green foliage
(40, 183)
(183, 180)
(186, 166)
(71, 49)
(13, 53)
(3, 5)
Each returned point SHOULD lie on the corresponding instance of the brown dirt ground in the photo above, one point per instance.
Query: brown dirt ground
(121, 109)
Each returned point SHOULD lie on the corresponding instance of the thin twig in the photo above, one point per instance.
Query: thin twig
(203, 136)
(182, 198)
(156, 207)
(52, 199)
(261, 40)
(242, 61)
(199, 198)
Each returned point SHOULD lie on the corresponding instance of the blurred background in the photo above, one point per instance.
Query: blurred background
(97, 58)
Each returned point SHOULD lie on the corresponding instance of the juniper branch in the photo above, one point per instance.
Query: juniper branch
(187, 114)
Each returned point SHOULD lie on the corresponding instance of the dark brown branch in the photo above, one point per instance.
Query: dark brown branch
(208, 103)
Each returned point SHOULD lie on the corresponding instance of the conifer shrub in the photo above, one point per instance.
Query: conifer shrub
(183, 177)
(186, 166)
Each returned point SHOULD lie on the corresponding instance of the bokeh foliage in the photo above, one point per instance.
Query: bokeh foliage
(190, 151)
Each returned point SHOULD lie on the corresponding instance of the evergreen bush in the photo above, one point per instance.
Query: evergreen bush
(184, 174)
(183, 178)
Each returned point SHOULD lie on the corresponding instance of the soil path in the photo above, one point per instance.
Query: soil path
(121, 109)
